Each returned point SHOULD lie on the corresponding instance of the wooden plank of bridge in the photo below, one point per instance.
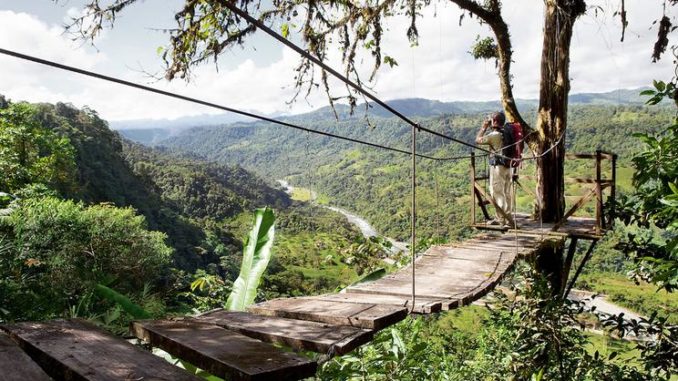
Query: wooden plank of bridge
(361, 315)
(15, 365)
(77, 350)
(223, 353)
(454, 275)
(422, 305)
(298, 334)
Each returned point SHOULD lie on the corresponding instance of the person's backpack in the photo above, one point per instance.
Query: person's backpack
(512, 144)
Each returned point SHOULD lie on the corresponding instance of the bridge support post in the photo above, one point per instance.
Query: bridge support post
(473, 188)
(550, 263)
(568, 263)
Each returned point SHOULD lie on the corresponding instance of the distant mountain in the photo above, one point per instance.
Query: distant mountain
(615, 97)
(177, 124)
(151, 132)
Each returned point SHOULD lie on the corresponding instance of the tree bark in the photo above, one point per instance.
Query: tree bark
(559, 17)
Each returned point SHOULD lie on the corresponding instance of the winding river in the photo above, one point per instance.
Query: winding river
(365, 228)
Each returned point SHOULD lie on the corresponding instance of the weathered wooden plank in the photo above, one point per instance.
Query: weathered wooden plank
(434, 280)
(223, 353)
(442, 274)
(503, 244)
(450, 262)
(506, 239)
(422, 305)
(459, 254)
(431, 280)
(77, 350)
(368, 316)
(402, 292)
(15, 365)
(299, 334)
(588, 155)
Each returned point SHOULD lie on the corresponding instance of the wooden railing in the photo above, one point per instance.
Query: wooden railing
(596, 188)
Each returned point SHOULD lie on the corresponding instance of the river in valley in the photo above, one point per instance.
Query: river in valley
(365, 228)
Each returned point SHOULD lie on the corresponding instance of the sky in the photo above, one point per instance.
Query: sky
(260, 77)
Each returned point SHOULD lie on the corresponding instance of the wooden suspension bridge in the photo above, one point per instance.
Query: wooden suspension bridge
(246, 345)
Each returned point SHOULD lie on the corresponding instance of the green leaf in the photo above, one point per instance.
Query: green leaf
(285, 29)
(648, 92)
(659, 85)
(198, 283)
(390, 61)
(538, 376)
(397, 341)
(122, 301)
(256, 255)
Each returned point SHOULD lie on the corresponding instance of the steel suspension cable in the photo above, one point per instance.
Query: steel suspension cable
(210, 104)
(413, 221)
(354, 85)
(123, 82)
(339, 76)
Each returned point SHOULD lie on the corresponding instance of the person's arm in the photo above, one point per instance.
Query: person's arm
(481, 133)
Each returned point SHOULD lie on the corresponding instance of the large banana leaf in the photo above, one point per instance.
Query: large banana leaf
(256, 255)
(123, 301)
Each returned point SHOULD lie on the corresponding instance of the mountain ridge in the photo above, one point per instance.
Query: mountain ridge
(151, 132)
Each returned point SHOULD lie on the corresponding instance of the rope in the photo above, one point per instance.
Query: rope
(413, 223)
(308, 171)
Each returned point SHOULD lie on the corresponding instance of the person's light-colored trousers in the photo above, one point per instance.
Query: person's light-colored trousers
(501, 189)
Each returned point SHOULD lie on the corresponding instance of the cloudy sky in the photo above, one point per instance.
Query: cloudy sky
(260, 75)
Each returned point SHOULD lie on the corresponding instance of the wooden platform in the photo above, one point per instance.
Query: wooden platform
(238, 345)
(579, 227)
(77, 350)
(453, 275)
(224, 353)
(357, 313)
(22, 367)
(299, 334)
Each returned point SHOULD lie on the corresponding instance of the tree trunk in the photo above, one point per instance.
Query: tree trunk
(559, 17)
(546, 139)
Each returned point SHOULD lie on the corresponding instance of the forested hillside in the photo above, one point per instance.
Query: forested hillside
(174, 194)
(79, 205)
(374, 183)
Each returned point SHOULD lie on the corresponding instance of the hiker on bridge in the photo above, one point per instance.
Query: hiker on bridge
(500, 170)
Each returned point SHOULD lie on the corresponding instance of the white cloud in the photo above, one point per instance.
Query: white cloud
(439, 68)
